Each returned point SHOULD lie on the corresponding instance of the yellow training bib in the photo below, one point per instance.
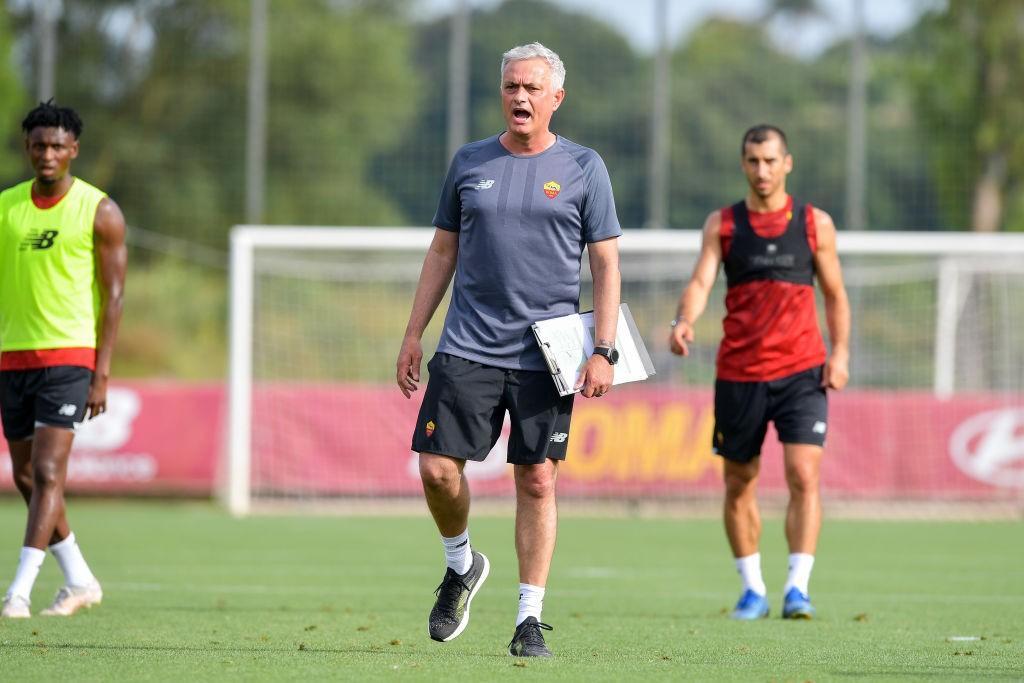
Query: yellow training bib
(49, 295)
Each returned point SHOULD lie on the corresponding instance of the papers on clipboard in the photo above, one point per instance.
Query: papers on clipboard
(568, 341)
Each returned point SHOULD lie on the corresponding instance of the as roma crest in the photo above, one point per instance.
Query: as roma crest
(429, 429)
(551, 189)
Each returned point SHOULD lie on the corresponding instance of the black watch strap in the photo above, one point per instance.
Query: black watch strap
(610, 353)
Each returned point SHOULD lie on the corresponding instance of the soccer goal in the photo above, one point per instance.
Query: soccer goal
(933, 411)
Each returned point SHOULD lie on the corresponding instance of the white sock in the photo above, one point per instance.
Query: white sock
(458, 553)
(531, 602)
(749, 568)
(28, 569)
(72, 563)
(800, 565)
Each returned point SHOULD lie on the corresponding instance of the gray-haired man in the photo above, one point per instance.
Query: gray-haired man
(515, 213)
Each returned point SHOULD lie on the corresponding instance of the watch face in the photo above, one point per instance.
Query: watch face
(611, 354)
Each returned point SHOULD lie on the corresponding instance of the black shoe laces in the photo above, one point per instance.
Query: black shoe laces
(530, 633)
(448, 593)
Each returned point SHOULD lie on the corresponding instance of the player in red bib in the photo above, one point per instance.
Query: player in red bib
(772, 363)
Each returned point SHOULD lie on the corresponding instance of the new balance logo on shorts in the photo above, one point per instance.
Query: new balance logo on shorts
(559, 437)
(819, 427)
(38, 239)
(67, 410)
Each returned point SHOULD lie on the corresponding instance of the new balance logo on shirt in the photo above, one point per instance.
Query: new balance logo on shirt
(38, 239)
(484, 185)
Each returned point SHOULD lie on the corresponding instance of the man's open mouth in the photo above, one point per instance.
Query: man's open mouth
(521, 115)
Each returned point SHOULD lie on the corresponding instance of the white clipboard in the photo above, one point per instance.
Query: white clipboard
(568, 341)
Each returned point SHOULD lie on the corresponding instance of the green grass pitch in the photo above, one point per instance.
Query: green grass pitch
(194, 595)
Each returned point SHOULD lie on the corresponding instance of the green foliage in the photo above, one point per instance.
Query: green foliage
(969, 82)
(192, 594)
(608, 89)
(160, 114)
(175, 321)
(606, 106)
(332, 108)
(358, 107)
(719, 93)
(13, 99)
(357, 123)
(166, 119)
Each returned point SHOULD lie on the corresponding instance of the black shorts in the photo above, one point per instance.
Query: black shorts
(54, 397)
(464, 407)
(797, 404)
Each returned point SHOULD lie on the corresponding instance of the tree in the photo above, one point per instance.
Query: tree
(162, 89)
(969, 85)
(607, 105)
(728, 77)
(13, 101)
(342, 89)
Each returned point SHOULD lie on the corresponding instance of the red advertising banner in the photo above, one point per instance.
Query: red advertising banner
(650, 441)
(155, 438)
(168, 437)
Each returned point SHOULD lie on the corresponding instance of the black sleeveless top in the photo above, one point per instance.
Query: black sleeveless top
(786, 258)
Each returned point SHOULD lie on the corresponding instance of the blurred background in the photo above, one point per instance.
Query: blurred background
(902, 115)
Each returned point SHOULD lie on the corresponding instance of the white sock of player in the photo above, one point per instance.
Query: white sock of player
(72, 563)
(28, 569)
(458, 553)
(749, 568)
(531, 602)
(800, 565)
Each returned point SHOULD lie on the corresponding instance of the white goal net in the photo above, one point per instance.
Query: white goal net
(933, 411)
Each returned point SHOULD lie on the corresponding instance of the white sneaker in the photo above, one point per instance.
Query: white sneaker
(15, 607)
(70, 599)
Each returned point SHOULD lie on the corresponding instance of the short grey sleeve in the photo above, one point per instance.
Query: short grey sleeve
(598, 211)
(449, 206)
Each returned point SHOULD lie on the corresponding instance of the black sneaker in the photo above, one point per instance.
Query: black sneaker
(451, 611)
(528, 641)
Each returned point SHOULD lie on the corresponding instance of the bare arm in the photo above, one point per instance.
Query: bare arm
(111, 264)
(694, 298)
(837, 306)
(597, 375)
(438, 268)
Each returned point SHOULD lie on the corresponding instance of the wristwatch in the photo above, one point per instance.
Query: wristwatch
(610, 353)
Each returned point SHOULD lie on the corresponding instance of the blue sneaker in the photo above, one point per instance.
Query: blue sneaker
(751, 606)
(796, 605)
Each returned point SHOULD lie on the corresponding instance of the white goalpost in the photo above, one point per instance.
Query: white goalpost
(317, 315)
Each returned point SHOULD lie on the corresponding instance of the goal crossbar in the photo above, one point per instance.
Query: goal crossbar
(948, 250)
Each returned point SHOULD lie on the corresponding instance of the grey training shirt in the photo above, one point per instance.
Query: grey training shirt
(523, 222)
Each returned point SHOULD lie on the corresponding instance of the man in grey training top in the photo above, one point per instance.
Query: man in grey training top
(515, 213)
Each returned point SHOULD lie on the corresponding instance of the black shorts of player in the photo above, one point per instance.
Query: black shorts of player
(464, 407)
(54, 397)
(797, 404)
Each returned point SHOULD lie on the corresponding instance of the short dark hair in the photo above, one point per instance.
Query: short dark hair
(760, 133)
(49, 115)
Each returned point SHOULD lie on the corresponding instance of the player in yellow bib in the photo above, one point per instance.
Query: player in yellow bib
(62, 271)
